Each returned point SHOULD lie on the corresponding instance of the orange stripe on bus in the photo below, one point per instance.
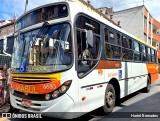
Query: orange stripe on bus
(153, 71)
(105, 64)
(36, 88)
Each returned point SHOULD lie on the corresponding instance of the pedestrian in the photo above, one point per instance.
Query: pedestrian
(7, 98)
(11, 109)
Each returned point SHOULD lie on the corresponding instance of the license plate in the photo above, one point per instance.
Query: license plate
(26, 103)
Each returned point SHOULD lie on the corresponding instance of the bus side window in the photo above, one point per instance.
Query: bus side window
(79, 45)
(155, 52)
(109, 52)
(112, 44)
(127, 48)
(111, 39)
(137, 55)
(143, 50)
(146, 49)
(153, 56)
(118, 39)
(149, 55)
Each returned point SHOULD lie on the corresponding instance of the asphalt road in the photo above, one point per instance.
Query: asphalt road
(137, 103)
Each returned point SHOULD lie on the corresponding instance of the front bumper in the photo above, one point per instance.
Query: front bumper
(62, 107)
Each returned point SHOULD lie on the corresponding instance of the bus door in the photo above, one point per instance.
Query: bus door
(90, 78)
(128, 83)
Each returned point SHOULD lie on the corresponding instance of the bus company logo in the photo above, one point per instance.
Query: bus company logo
(49, 86)
(25, 88)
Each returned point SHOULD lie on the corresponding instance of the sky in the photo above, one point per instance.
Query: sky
(9, 8)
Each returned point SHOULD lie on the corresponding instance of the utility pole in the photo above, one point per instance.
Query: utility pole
(26, 6)
(143, 2)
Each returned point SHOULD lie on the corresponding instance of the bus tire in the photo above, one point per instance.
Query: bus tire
(110, 99)
(148, 87)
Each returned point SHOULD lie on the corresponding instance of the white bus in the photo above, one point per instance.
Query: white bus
(68, 57)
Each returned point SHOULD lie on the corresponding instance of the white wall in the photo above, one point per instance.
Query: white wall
(131, 20)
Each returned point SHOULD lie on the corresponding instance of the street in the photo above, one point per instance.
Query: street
(137, 102)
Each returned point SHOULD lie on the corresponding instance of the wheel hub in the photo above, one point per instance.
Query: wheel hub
(110, 98)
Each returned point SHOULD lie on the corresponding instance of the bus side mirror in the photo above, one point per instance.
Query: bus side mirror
(89, 37)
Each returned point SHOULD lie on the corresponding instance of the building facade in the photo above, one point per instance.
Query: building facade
(6, 28)
(139, 22)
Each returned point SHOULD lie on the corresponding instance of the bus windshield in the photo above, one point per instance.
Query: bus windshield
(46, 51)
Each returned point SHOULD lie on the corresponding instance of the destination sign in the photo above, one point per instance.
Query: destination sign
(41, 15)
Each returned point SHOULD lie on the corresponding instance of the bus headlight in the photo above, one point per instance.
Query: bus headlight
(55, 94)
(59, 92)
(47, 96)
(63, 89)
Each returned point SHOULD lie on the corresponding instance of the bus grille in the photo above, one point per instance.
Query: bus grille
(30, 81)
(35, 97)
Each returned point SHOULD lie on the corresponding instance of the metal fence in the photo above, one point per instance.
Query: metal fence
(5, 60)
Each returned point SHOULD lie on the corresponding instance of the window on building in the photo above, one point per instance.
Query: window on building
(145, 37)
(150, 26)
(145, 21)
(154, 43)
(149, 40)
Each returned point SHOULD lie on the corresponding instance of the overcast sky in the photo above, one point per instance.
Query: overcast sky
(10, 7)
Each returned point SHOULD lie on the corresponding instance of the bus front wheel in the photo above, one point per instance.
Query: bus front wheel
(110, 99)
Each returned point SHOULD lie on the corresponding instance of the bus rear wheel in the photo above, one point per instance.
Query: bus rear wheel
(148, 87)
(110, 99)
